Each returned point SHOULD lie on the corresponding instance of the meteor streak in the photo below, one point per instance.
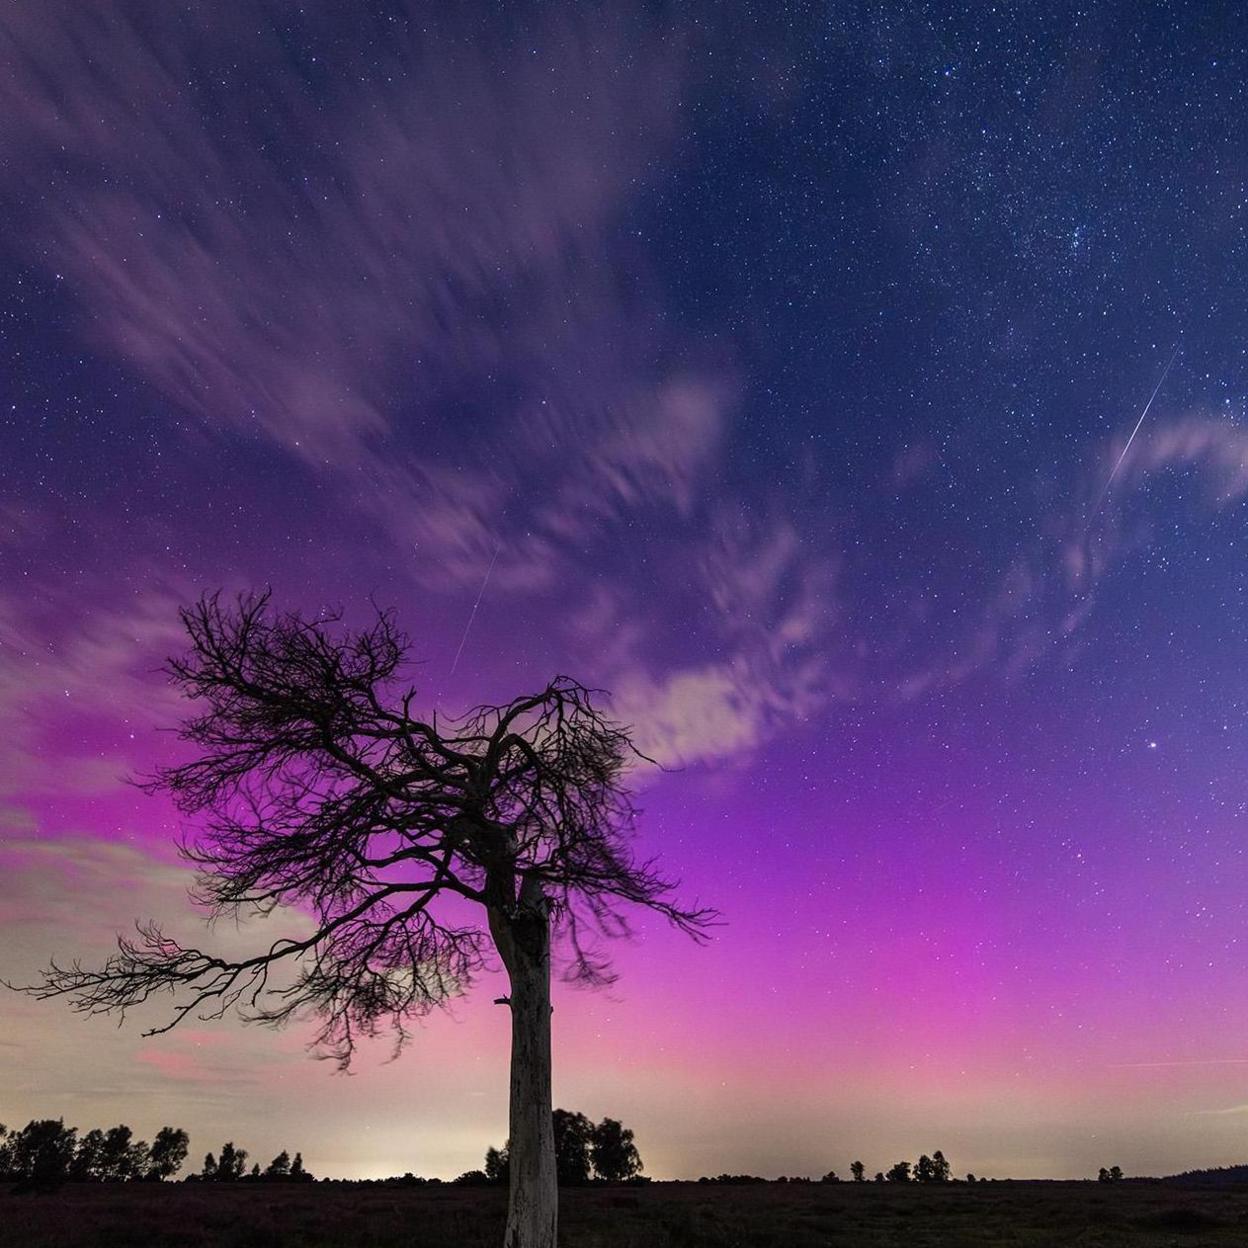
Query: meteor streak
(1165, 372)
(472, 615)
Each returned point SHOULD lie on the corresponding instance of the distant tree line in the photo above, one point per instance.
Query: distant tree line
(584, 1151)
(1219, 1176)
(231, 1167)
(933, 1169)
(45, 1152)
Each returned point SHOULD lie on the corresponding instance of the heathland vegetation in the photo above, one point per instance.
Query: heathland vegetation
(412, 1214)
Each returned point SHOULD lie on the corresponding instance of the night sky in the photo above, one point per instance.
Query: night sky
(770, 368)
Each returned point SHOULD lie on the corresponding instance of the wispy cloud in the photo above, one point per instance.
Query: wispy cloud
(69, 660)
(445, 313)
(770, 604)
(1038, 604)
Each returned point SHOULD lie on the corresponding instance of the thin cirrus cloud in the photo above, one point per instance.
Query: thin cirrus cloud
(771, 609)
(1040, 601)
(67, 669)
(448, 323)
(444, 314)
(59, 899)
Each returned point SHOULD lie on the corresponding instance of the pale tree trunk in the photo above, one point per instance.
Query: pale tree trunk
(523, 940)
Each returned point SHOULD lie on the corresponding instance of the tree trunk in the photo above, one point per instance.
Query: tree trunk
(523, 940)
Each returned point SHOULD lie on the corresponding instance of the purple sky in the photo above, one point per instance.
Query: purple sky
(766, 371)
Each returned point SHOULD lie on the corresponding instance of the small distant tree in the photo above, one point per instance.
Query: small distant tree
(209, 1172)
(279, 1167)
(613, 1153)
(167, 1153)
(1102, 1175)
(900, 1172)
(255, 1170)
(970, 1178)
(497, 1164)
(1115, 1174)
(879, 1176)
(941, 1169)
(413, 845)
(297, 1173)
(574, 1136)
(858, 1170)
(924, 1170)
(831, 1177)
(232, 1164)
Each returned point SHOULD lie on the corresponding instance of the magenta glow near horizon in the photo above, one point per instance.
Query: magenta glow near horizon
(773, 384)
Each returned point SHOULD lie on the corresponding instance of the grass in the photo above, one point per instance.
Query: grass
(662, 1215)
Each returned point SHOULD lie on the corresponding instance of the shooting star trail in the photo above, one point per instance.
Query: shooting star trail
(472, 615)
(1161, 381)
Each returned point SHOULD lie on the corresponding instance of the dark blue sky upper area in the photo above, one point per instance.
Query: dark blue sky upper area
(943, 256)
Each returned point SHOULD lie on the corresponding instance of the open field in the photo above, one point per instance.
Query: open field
(668, 1215)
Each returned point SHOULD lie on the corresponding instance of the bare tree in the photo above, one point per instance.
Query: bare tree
(319, 787)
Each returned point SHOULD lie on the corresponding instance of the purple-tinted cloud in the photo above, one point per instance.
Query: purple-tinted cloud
(443, 314)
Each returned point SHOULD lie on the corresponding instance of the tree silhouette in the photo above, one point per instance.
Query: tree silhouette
(573, 1135)
(497, 1164)
(297, 1173)
(858, 1170)
(120, 1157)
(231, 1163)
(209, 1172)
(279, 1167)
(924, 1170)
(613, 1152)
(167, 1153)
(321, 788)
(40, 1154)
(88, 1162)
(940, 1168)
(900, 1173)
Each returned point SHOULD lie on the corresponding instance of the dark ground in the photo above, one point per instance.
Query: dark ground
(668, 1215)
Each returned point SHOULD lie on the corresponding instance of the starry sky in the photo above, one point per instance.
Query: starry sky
(770, 366)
